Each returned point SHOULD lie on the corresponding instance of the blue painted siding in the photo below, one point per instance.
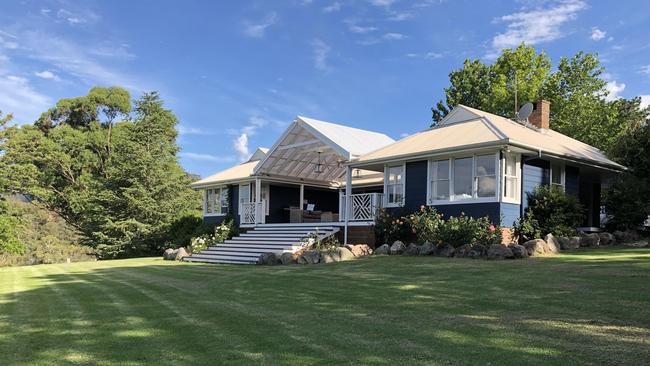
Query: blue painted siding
(572, 180)
(214, 220)
(535, 173)
(416, 185)
(510, 212)
(490, 209)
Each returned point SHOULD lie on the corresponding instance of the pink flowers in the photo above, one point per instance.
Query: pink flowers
(492, 228)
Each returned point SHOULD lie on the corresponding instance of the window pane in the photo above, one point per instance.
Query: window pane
(486, 186)
(510, 187)
(442, 190)
(463, 178)
(556, 174)
(210, 200)
(224, 198)
(442, 169)
(485, 165)
(511, 165)
(395, 174)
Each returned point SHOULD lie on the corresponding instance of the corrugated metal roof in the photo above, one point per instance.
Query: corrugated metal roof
(238, 172)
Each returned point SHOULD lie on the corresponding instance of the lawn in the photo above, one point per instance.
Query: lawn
(586, 307)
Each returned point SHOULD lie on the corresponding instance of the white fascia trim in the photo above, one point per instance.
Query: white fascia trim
(213, 215)
(454, 111)
(275, 146)
(341, 151)
(575, 159)
(221, 183)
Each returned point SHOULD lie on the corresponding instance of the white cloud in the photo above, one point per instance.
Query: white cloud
(75, 17)
(188, 130)
(425, 56)
(645, 70)
(321, 52)
(597, 34)
(18, 97)
(645, 100)
(206, 157)
(384, 3)
(241, 147)
(258, 29)
(46, 74)
(361, 30)
(46, 11)
(537, 25)
(401, 16)
(8, 41)
(614, 90)
(335, 6)
(394, 36)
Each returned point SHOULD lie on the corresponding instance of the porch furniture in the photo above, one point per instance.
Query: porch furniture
(329, 217)
(298, 215)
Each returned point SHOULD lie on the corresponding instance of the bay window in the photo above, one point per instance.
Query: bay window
(485, 175)
(462, 178)
(216, 201)
(395, 185)
(440, 174)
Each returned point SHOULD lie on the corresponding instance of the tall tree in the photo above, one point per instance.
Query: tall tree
(118, 182)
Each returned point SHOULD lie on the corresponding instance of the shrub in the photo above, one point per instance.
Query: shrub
(462, 230)
(222, 232)
(425, 224)
(549, 210)
(389, 228)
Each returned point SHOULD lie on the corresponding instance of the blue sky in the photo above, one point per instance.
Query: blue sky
(237, 72)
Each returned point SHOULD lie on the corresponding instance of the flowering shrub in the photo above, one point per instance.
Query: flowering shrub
(389, 228)
(425, 224)
(222, 232)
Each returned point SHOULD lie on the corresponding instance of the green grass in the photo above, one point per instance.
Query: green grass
(586, 307)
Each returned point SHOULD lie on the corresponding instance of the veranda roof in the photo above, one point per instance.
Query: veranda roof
(466, 127)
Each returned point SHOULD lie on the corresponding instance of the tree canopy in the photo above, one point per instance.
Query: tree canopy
(576, 91)
(118, 182)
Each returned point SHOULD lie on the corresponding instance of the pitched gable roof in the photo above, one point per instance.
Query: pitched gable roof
(466, 127)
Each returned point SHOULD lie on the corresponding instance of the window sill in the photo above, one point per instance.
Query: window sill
(465, 201)
(213, 214)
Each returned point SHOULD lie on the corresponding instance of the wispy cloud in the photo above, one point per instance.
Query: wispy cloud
(206, 157)
(333, 7)
(425, 56)
(394, 36)
(537, 25)
(8, 41)
(258, 29)
(321, 51)
(645, 70)
(360, 29)
(597, 34)
(383, 3)
(46, 74)
(614, 90)
(400, 16)
(76, 16)
(188, 130)
(17, 96)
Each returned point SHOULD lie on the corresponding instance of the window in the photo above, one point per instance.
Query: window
(485, 175)
(395, 185)
(557, 175)
(462, 178)
(511, 178)
(440, 180)
(216, 201)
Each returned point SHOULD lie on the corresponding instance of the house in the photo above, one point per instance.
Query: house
(481, 164)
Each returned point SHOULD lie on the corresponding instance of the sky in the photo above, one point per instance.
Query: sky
(237, 73)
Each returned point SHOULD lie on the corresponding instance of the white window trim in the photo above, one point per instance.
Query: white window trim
(518, 176)
(386, 194)
(205, 201)
(474, 199)
(562, 175)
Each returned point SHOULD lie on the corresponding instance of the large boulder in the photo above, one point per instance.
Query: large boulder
(463, 250)
(397, 248)
(427, 248)
(269, 258)
(170, 254)
(359, 250)
(382, 250)
(536, 247)
(574, 242)
(499, 251)
(478, 251)
(626, 236)
(552, 245)
(181, 253)
(309, 257)
(287, 258)
(338, 254)
(563, 241)
(519, 251)
(607, 239)
(412, 249)
(589, 240)
(446, 250)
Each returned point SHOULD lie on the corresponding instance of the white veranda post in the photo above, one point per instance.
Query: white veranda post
(348, 200)
(258, 200)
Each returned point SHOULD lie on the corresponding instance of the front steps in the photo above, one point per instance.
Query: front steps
(247, 247)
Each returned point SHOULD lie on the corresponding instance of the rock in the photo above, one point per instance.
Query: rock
(287, 258)
(180, 254)
(412, 249)
(446, 251)
(589, 240)
(382, 250)
(463, 250)
(607, 239)
(563, 242)
(427, 248)
(574, 242)
(478, 251)
(552, 245)
(626, 236)
(170, 254)
(397, 248)
(499, 251)
(309, 257)
(268, 259)
(359, 250)
(536, 247)
(519, 251)
(338, 254)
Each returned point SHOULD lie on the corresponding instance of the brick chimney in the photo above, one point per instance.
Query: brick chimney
(541, 115)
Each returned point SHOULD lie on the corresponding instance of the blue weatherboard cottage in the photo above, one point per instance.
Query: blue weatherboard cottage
(329, 178)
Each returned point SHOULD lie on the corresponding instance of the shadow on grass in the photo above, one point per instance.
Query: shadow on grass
(584, 307)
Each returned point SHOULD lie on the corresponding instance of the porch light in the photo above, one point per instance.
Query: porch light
(357, 173)
(319, 167)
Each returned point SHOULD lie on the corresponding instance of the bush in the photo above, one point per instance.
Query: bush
(425, 224)
(389, 228)
(549, 210)
(222, 232)
(461, 230)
